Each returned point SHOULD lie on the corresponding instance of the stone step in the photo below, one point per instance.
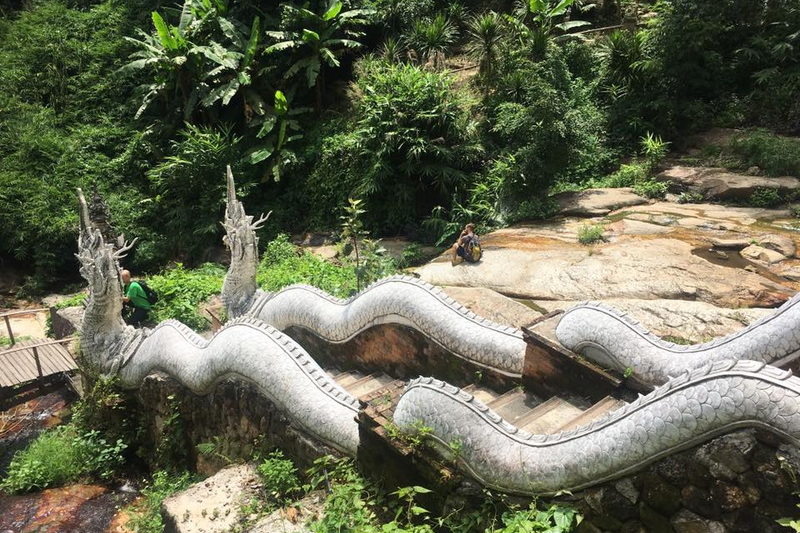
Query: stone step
(594, 412)
(519, 406)
(505, 399)
(548, 416)
(485, 395)
(346, 378)
(368, 384)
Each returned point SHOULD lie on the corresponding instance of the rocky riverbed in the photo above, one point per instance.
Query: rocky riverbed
(693, 271)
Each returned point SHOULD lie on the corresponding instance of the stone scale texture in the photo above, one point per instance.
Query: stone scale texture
(614, 340)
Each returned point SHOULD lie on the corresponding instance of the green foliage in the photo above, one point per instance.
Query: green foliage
(170, 453)
(190, 186)
(411, 255)
(773, 154)
(146, 512)
(283, 265)
(371, 263)
(60, 456)
(105, 409)
(58, 130)
(279, 475)
(181, 291)
(545, 124)
(432, 39)
(317, 40)
(654, 150)
(536, 208)
(555, 519)
(485, 34)
(651, 189)
(346, 507)
(690, 198)
(765, 197)
(414, 437)
(73, 301)
(590, 234)
(413, 141)
(772, 59)
(279, 130)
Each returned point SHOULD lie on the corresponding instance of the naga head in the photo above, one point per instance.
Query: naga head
(240, 238)
(103, 333)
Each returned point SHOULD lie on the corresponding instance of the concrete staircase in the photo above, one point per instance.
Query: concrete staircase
(517, 406)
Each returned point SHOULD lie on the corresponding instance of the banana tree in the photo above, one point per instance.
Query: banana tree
(279, 129)
(234, 70)
(317, 40)
(172, 58)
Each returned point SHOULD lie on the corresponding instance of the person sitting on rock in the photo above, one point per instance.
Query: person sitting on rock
(135, 299)
(467, 247)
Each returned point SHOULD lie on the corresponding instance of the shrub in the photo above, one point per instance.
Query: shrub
(280, 478)
(651, 189)
(554, 519)
(773, 154)
(346, 507)
(104, 409)
(190, 186)
(690, 198)
(181, 291)
(764, 197)
(590, 234)
(415, 142)
(284, 265)
(146, 511)
(411, 255)
(536, 208)
(60, 456)
(545, 123)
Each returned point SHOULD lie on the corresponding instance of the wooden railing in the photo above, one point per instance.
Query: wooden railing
(35, 347)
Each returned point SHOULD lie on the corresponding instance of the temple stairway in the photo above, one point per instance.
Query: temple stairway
(518, 407)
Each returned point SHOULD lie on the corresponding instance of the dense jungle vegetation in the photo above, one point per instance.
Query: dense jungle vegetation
(431, 112)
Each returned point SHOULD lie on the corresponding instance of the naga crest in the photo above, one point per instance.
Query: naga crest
(240, 238)
(106, 341)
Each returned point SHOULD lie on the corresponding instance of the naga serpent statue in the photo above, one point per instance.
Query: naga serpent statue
(684, 412)
(615, 340)
(246, 348)
(403, 300)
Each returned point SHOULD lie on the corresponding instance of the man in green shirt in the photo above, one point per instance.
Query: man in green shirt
(136, 298)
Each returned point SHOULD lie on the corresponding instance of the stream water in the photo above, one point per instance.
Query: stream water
(75, 508)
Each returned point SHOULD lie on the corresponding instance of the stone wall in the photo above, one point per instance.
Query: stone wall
(741, 482)
(400, 351)
(235, 415)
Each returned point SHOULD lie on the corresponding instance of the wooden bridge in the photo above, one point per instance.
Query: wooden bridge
(33, 363)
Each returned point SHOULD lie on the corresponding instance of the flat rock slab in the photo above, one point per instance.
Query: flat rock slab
(213, 505)
(629, 268)
(720, 184)
(692, 321)
(294, 519)
(493, 305)
(596, 202)
(636, 227)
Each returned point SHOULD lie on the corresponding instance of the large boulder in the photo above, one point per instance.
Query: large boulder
(628, 268)
(596, 202)
(214, 505)
(720, 184)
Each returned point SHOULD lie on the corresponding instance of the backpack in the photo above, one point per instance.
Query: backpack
(152, 296)
(473, 249)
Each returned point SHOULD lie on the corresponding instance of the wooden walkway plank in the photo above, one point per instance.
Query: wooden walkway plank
(18, 364)
(14, 370)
